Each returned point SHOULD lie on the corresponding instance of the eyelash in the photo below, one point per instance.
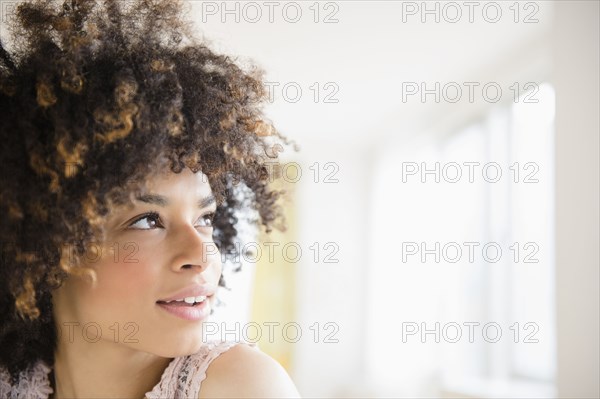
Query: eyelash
(153, 215)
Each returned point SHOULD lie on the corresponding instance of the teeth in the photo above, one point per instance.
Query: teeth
(190, 299)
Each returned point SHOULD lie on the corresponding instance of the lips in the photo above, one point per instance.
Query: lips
(196, 312)
(190, 303)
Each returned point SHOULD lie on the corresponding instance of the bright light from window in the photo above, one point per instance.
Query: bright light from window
(439, 294)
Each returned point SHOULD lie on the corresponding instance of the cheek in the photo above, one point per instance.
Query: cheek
(125, 279)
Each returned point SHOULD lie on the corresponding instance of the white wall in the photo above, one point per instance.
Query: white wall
(576, 71)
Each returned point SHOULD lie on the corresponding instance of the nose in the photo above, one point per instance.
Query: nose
(194, 250)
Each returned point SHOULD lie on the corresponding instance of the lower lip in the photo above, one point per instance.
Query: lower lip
(192, 313)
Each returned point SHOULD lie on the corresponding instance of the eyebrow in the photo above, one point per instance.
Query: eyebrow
(163, 201)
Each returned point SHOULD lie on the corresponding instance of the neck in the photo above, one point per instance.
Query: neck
(104, 369)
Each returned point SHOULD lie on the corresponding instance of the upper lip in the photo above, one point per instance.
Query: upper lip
(191, 290)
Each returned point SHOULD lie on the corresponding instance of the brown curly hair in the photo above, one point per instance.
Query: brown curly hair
(94, 96)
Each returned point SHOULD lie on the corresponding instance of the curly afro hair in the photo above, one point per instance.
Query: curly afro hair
(94, 97)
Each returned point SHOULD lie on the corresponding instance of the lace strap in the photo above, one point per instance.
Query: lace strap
(32, 383)
(198, 365)
(184, 375)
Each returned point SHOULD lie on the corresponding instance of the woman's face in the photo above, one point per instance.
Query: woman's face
(159, 249)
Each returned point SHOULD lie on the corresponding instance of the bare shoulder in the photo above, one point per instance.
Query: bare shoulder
(245, 372)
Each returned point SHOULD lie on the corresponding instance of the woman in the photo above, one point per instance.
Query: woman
(127, 149)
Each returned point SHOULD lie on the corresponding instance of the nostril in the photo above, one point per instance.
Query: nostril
(192, 266)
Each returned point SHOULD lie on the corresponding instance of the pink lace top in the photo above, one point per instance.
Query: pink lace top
(181, 379)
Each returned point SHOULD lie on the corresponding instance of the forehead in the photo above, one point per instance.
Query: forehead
(166, 188)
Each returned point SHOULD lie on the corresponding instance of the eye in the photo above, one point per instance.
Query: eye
(146, 222)
(207, 220)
